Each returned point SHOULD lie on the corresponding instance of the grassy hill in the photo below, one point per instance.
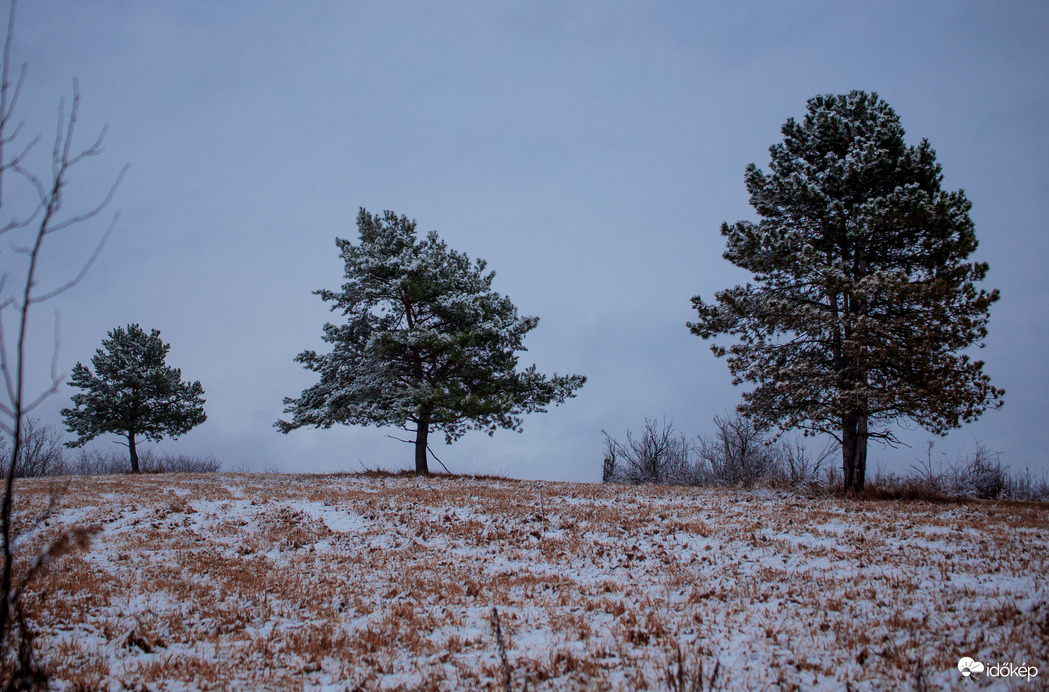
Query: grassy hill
(377, 581)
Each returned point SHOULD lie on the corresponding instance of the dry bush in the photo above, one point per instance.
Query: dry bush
(181, 463)
(800, 467)
(737, 455)
(980, 474)
(660, 456)
(40, 453)
(95, 462)
(1024, 487)
(740, 454)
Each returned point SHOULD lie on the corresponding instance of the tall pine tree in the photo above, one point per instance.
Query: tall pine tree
(132, 392)
(863, 300)
(427, 344)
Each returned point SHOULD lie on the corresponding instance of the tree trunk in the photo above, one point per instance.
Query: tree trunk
(422, 431)
(133, 452)
(854, 451)
(848, 449)
(860, 465)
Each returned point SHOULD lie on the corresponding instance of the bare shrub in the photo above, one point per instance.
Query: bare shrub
(799, 466)
(40, 452)
(832, 476)
(182, 463)
(94, 462)
(33, 214)
(1023, 486)
(739, 454)
(892, 486)
(981, 475)
(924, 471)
(661, 455)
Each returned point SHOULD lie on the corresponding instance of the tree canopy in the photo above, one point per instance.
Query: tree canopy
(132, 392)
(426, 344)
(863, 300)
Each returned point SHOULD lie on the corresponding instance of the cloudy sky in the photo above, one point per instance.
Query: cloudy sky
(588, 151)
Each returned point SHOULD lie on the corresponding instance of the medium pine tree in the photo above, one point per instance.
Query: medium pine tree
(427, 344)
(862, 301)
(132, 392)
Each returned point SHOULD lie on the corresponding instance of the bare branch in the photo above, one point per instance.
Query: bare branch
(9, 381)
(438, 460)
(80, 218)
(56, 380)
(39, 223)
(83, 271)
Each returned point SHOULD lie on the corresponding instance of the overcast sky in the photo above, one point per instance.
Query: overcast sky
(588, 151)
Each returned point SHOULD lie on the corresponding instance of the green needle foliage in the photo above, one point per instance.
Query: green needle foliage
(132, 392)
(427, 344)
(863, 299)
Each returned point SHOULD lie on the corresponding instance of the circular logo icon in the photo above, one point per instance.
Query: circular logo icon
(969, 668)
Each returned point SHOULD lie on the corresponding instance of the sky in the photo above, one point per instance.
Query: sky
(589, 152)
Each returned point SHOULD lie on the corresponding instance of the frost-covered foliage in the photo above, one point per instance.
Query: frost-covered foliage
(980, 474)
(427, 344)
(862, 301)
(132, 392)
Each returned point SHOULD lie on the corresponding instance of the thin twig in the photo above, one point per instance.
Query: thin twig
(502, 648)
(542, 509)
(438, 460)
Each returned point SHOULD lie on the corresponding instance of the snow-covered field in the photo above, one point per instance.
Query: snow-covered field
(234, 581)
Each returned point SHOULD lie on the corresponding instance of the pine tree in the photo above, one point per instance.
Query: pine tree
(863, 301)
(132, 392)
(427, 344)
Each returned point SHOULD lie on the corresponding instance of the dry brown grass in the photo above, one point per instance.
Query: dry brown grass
(388, 581)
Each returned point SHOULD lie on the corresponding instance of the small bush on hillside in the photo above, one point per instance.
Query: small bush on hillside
(660, 455)
(1023, 486)
(93, 462)
(980, 475)
(801, 467)
(98, 463)
(41, 453)
(739, 454)
(181, 463)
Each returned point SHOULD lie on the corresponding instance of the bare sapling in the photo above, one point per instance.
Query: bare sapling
(30, 231)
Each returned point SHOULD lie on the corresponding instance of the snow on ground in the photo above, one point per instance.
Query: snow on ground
(389, 582)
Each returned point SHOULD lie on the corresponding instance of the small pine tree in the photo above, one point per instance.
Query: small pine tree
(132, 392)
(863, 299)
(427, 344)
